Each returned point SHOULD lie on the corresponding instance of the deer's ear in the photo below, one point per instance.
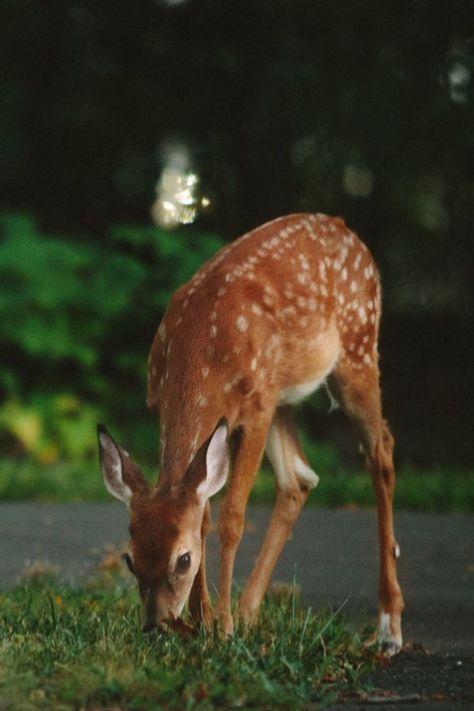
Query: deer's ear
(217, 462)
(122, 476)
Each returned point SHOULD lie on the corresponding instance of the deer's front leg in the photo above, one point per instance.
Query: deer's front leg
(232, 515)
(199, 600)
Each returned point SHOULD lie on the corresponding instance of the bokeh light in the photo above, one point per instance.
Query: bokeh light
(178, 196)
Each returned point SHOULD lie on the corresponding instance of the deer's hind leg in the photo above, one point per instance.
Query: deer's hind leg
(355, 385)
(294, 479)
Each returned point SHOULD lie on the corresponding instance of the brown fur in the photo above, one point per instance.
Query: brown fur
(259, 326)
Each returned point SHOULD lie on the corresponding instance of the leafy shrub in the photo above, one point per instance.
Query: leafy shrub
(77, 317)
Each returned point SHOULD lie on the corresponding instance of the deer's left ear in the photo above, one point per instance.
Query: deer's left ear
(217, 462)
(121, 475)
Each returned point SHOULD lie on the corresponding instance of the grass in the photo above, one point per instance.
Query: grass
(432, 491)
(63, 649)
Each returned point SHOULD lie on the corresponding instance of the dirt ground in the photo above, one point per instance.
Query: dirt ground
(416, 679)
(332, 556)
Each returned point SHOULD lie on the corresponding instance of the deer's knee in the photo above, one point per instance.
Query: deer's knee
(289, 504)
(230, 526)
(380, 459)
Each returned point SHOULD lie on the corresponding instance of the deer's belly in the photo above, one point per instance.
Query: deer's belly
(295, 393)
(307, 366)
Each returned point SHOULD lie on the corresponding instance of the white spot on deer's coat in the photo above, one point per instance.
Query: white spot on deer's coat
(344, 274)
(205, 372)
(362, 314)
(201, 400)
(257, 310)
(353, 287)
(304, 261)
(242, 323)
(253, 364)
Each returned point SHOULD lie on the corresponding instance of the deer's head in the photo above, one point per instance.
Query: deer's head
(165, 521)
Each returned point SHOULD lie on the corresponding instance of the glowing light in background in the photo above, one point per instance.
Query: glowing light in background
(459, 77)
(357, 180)
(178, 199)
(171, 3)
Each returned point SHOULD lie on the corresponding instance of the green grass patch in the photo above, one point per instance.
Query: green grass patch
(63, 649)
(431, 491)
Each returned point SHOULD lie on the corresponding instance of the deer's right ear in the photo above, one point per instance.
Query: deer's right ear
(217, 462)
(121, 475)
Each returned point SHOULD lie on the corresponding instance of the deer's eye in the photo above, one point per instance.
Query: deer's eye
(183, 563)
(128, 562)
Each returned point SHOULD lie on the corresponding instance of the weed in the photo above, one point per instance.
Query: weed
(64, 648)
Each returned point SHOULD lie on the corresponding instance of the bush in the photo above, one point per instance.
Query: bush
(77, 317)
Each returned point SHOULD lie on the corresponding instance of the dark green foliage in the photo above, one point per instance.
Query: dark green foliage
(341, 107)
(76, 321)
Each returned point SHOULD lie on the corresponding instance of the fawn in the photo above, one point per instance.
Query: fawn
(272, 316)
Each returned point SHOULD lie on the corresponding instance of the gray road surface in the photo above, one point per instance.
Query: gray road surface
(332, 555)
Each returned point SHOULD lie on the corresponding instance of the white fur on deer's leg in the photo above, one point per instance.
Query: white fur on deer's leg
(305, 475)
(389, 633)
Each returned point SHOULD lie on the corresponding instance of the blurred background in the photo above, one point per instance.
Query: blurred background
(137, 138)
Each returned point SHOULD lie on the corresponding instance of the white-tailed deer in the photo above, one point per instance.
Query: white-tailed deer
(272, 316)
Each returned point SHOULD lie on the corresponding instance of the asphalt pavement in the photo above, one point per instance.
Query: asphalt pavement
(332, 556)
